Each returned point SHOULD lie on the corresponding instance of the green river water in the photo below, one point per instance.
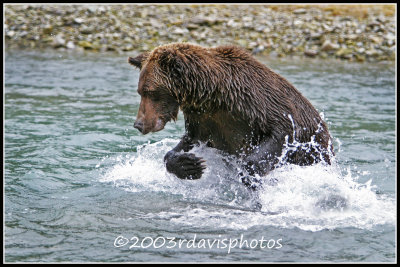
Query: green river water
(82, 185)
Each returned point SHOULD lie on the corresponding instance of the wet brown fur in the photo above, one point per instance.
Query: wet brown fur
(231, 101)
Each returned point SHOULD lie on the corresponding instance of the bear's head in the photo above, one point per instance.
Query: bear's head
(157, 105)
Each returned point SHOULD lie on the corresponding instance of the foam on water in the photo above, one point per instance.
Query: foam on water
(311, 198)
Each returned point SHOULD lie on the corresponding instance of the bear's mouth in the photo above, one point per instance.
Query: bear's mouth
(159, 125)
(155, 125)
(163, 120)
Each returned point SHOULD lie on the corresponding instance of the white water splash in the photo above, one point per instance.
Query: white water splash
(300, 197)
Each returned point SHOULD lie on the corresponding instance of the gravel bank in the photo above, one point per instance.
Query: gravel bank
(312, 31)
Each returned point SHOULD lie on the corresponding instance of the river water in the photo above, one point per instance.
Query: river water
(82, 185)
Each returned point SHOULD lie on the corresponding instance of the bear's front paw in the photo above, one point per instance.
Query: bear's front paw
(186, 166)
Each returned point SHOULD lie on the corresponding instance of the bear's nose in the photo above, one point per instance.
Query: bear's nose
(139, 125)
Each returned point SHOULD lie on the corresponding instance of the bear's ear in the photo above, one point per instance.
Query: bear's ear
(173, 61)
(137, 61)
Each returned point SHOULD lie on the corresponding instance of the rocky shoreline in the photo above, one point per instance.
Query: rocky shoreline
(310, 31)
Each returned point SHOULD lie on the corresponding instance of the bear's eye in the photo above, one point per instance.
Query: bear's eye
(152, 95)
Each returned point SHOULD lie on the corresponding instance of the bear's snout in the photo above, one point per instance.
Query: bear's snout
(139, 125)
(153, 126)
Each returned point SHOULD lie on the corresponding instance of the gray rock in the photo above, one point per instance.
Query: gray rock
(86, 30)
(192, 26)
(300, 11)
(258, 49)
(329, 46)
(70, 45)
(79, 20)
(310, 53)
(58, 41)
(10, 34)
(180, 31)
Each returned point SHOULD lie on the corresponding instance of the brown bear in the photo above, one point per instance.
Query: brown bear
(231, 102)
